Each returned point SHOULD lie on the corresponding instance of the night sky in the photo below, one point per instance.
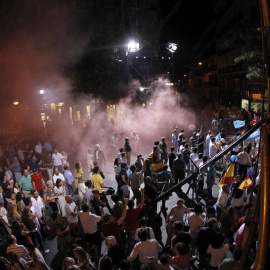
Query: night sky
(185, 26)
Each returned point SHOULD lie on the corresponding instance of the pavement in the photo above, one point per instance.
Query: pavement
(109, 180)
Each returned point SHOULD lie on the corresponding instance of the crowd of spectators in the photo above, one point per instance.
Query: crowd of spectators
(124, 231)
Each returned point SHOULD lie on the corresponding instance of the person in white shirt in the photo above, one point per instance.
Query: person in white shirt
(38, 149)
(57, 160)
(89, 223)
(37, 203)
(72, 215)
(244, 161)
(193, 156)
(212, 147)
(58, 175)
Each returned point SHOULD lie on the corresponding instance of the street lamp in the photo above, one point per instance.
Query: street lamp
(41, 92)
(172, 47)
(133, 46)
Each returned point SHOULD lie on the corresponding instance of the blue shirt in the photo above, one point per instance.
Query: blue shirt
(15, 166)
(25, 182)
(48, 146)
(69, 177)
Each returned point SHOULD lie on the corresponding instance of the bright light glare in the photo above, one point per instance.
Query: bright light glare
(141, 88)
(200, 63)
(41, 92)
(172, 47)
(16, 103)
(133, 46)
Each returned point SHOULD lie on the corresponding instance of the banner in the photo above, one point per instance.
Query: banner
(239, 123)
(255, 134)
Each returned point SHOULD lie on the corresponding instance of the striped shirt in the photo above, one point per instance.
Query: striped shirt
(19, 250)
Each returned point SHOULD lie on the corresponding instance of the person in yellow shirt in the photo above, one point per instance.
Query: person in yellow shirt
(78, 172)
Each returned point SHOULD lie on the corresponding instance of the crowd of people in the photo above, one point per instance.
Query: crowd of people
(101, 227)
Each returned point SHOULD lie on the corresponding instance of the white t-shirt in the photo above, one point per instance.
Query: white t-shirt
(89, 222)
(88, 195)
(38, 148)
(57, 159)
(69, 208)
(60, 176)
(38, 205)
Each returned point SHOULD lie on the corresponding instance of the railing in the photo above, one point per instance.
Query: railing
(217, 157)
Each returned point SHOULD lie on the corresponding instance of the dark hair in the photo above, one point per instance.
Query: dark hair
(130, 204)
(27, 201)
(33, 191)
(107, 217)
(205, 158)
(178, 225)
(123, 165)
(10, 239)
(217, 241)
(85, 207)
(132, 168)
(237, 193)
(96, 169)
(115, 198)
(198, 208)
(125, 264)
(143, 222)
(116, 161)
(77, 166)
(143, 234)
(211, 222)
(105, 263)
(58, 181)
(164, 258)
(88, 183)
(182, 248)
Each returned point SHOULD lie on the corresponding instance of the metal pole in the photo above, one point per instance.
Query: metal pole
(263, 246)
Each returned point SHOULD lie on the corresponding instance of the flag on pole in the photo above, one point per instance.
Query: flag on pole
(218, 138)
(246, 183)
(239, 123)
(227, 178)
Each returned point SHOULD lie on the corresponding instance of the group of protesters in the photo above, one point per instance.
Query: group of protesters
(105, 225)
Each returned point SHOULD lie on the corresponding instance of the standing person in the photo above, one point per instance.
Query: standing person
(47, 146)
(176, 214)
(164, 153)
(57, 160)
(58, 175)
(207, 142)
(179, 167)
(69, 179)
(200, 141)
(217, 250)
(16, 168)
(210, 179)
(214, 125)
(222, 200)
(171, 158)
(136, 139)
(89, 223)
(113, 140)
(194, 140)
(244, 161)
(72, 215)
(26, 183)
(145, 248)
(134, 181)
(89, 159)
(195, 222)
(212, 147)
(193, 157)
(99, 156)
(51, 197)
(127, 149)
(48, 163)
(38, 150)
(78, 172)
(60, 192)
(38, 182)
(174, 139)
(186, 155)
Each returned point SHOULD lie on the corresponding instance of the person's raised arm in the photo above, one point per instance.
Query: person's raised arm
(123, 216)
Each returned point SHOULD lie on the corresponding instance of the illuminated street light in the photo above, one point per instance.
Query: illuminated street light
(133, 46)
(41, 92)
(15, 103)
(200, 63)
(172, 47)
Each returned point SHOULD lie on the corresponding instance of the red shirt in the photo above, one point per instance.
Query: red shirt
(132, 222)
(37, 179)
